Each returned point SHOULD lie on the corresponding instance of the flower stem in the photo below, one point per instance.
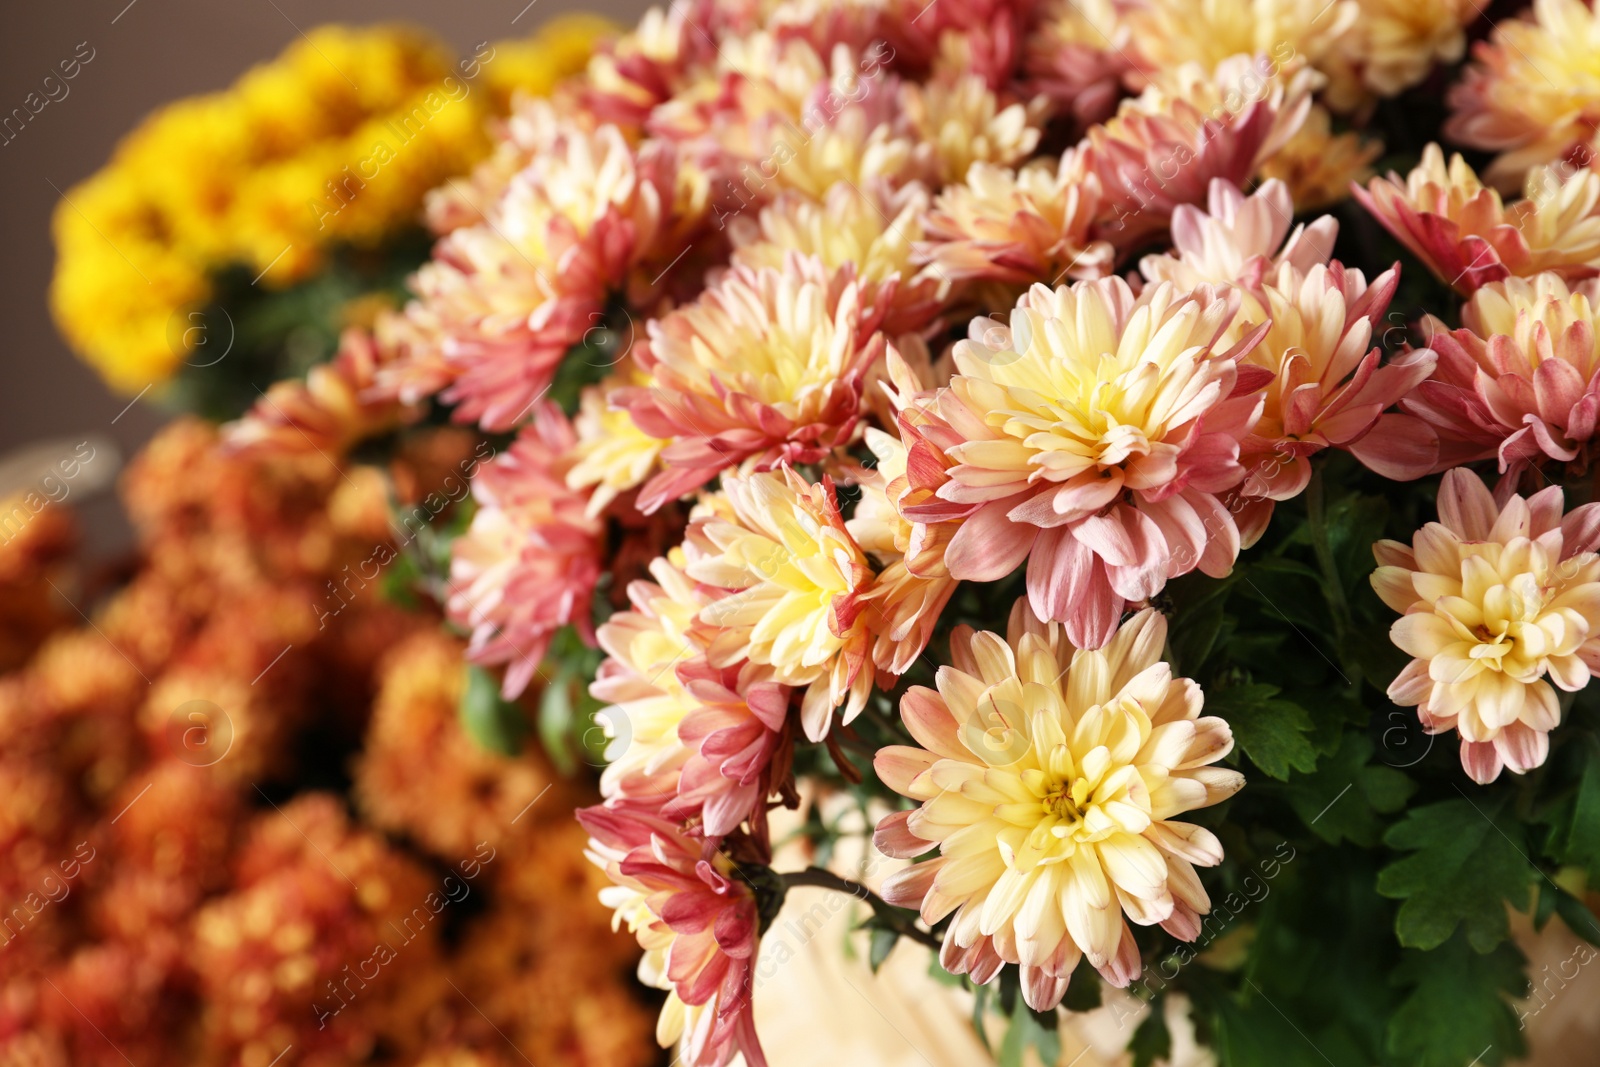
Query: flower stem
(1333, 587)
(895, 918)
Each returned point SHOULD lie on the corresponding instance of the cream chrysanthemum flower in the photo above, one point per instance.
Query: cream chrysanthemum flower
(1394, 44)
(1532, 91)
(1498, 603)
(871, 230)
(1019, 227)
(1169, 33)
(767, 367)
(612, 454)
(794, 581)
(1048, 778)
(966, 124)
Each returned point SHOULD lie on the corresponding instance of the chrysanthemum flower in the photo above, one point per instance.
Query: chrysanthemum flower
(612, 456)
(1394, 44)
(986, 37)
(528, 563)
(1096, 435)
(1048, 778)
(1170, 33)
(874, 230)
(913, 585)
(514, 293)
(688, 740)
(967, 123)
(1191, 125)
(766, 367)
(340, 402)
(1468, 237)
(1520, 380)
(1078, 55)
(1239, 240)
(1326, 386)
(645, 66)
(1318, 165)
(795, 582)
(698, 926)
(1532, 91)
(1025, 226)
(1495, 601)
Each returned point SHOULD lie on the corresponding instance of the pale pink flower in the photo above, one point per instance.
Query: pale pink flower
(697, 923)
(792, 586)
(1019, 227)
(512, 294)
(1079, 55)
(1498, 603)
(1049, 778)
(1093, 438)
(688, 741)
(1191, 125)
(528, 563)
(1520, 380)
(1239, 239)
(765, 368)
(1468, 237)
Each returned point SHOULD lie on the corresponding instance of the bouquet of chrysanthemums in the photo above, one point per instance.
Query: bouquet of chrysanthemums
(1032, 420)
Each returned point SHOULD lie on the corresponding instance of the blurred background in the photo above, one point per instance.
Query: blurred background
(146, 54)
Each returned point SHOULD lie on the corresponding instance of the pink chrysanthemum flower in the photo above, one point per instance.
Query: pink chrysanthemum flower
(968, 123)
(1239, 240)
(529, 561)
(1464, 233)
(873, 230)
(767, 367)
(512, 294)
(697, 923)
(1519, 381)
(1192, 125)
(1498, 603)
(1019, 227)
(629, 77)
(1049, 778)
(985, 37)
(1532, 90)
(794, 584)
(913, 584)
(1096, 435)
(688, 741)
(1078, 55)
(1326, 383)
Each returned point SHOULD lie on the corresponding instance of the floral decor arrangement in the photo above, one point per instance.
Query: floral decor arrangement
(1034, 420)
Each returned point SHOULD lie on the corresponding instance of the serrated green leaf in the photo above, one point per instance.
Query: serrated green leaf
(1271, 731)
(1463, 869)
(1344, 797)
(1152, 1040)
(494, 723)
(1457, 1011)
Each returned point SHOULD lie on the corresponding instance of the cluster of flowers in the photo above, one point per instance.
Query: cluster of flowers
(777, 223)
(178, 884)
(336, 141)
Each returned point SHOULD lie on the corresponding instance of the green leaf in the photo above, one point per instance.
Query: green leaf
(1030, 1030)
(558, 722)
(1464, 868)
(1581, 847)
(1457, 1011)
(494, 723)
(1151, 1039)
(1271, 731)
(1579, 919)
(1343, 799)
(883, 942)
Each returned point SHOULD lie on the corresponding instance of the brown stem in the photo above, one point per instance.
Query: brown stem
(895, 917)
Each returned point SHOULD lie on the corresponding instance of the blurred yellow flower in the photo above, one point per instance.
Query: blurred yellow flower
(334, 142)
